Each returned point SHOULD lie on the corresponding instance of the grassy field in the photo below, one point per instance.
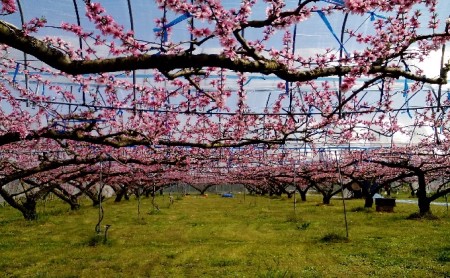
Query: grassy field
(224, 237)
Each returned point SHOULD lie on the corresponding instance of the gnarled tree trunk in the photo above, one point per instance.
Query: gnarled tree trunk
(303, 195)
(326, 199)
(368, 201)
(121, 193)
(29, 209)
(71, 200)
(423, 201)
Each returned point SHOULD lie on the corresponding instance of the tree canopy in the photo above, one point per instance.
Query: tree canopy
(213, 89)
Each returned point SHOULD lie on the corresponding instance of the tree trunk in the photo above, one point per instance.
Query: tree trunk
(357, 194)
(94, 197)
(75, 206)
(388, 190)
(424, 207)
(302, 195)
(326, 199)
(29, 209)
(118, 197)
(424, 203)
(70, 199)
(121, 193)
(95, 202)
(368, 201)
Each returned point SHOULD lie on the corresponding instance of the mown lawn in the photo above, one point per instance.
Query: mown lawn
(224, 237)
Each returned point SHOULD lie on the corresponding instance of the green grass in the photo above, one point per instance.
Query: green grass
(221, 237)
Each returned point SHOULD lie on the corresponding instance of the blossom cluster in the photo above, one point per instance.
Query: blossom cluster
(8, 6)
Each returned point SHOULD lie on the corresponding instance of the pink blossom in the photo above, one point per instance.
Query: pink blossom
(8, 6)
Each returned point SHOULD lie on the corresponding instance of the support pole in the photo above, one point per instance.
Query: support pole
(100, 208)
(342, 192)
(295, 190)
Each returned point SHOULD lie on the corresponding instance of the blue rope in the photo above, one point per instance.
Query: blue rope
(373, 16)
(448, 99)
(170, 24)
(448, 96)
(445, 110)
(230, 159)
(254, 77)
(327, 23)
(405, 93)
(335, 2)
(15, 72)
(293, 52)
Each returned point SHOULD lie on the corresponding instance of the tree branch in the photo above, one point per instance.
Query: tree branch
(14, 37)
